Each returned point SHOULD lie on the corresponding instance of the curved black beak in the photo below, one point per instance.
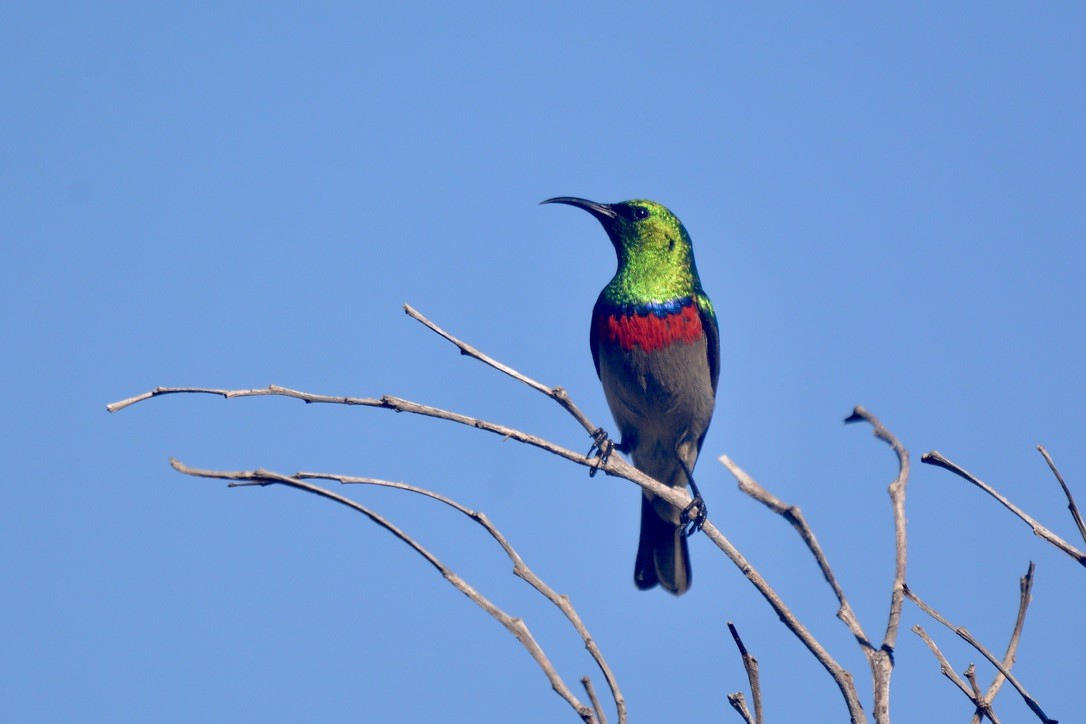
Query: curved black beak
(603, 212)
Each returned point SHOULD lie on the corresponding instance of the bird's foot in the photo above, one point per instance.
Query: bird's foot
(694, 516)
(603, 447)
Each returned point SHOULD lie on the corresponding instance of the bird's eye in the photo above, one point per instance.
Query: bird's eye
(641, 213)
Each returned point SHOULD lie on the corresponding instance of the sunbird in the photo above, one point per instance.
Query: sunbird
(656, 346)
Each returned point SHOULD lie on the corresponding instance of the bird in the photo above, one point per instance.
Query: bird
(656, 346)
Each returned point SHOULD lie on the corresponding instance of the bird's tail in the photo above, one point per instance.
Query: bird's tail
(662, 555)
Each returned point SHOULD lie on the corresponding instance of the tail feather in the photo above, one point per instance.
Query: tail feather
(662, 555)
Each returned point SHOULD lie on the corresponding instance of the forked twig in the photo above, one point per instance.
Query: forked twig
(558, 394)
(880, 660)
(964, 634)
(841, 676)
(983, 702)
(936, 458)
(520, 569)
(750, 664)
(984, 707)
(1025, 591)
(739, 703)
(944, 666)
(794, 516)
(515, 626)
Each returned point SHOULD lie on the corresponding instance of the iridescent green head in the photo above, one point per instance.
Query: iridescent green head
(655, 257)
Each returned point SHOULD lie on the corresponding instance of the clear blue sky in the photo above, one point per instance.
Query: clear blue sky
(888, 208)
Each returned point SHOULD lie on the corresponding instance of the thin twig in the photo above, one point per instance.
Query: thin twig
(882, 661)
(983, 702)
(1066, 491)
(964, 634)
(591, 691)
(386, 402)
(1025, 589)
(557, 394)
(515, 626)
(739, 703)
(520, 569)
(984, 707)
(750, 664)
(794, 516)
(936, 458)
(944, 666)
(841, 676)
(971, 677)
(228, 394)
(897, 498)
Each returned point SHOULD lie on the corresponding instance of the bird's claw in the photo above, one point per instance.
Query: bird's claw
(694, 516)
(602, 445)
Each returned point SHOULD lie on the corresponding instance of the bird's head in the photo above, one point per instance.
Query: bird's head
(638, 229)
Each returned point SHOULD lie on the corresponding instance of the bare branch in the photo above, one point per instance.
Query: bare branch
(739, 703)
(897, 498)
(591, 691)
(944, 666)
(613, 466)
(1025, 588)
(1066, 491)
(557, 394)
(158, 391)
(515, 626)
(935, 458)
(964, 634)
(971, 677)
(984, 707)
(794, 516)
(520, 569)
(386, 402)
(840, 675)
(983, 702)
(880, 660)
(751, 665)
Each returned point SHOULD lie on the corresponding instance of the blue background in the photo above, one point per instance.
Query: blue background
(888, 207)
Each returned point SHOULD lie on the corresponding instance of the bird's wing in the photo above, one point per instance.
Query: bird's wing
(594, 332)
(712, 336)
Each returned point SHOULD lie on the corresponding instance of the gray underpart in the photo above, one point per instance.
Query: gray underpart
(662, 402)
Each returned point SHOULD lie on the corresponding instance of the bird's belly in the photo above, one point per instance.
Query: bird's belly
(662, 402)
